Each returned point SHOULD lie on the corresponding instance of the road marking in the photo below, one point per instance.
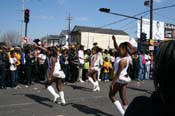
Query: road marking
(20, 104)
(68, 100)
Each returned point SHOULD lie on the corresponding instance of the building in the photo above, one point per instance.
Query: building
(53, 40)
(88, 35)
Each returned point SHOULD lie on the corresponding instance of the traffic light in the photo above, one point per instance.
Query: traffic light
(143, 36)
(26, 15)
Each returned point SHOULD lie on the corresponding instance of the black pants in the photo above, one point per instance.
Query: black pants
(42, 71)
(66, 71)
(2, 77)
(73, 72)
(85, 72)
(28, 74)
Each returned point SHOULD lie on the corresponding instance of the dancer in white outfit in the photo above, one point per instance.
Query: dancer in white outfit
(120, 69)
(94, 65)
(55, 74)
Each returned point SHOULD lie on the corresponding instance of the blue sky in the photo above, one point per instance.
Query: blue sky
(49, 16)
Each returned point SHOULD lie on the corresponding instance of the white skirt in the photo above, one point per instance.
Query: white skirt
(59, 74)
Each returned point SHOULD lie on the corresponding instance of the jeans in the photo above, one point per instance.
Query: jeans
(106, 76)
(140, 74)
(80, 72)
(147, 73)
(14, 77)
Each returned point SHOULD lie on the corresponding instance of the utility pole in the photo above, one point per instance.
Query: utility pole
(151, 20)
(22, 19)
(69, 18)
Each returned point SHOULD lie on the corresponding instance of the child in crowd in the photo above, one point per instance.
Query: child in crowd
(13, 68)
(107, 67)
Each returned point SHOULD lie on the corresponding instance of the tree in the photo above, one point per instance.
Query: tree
(11, 38)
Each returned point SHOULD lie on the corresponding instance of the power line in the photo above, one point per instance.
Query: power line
(169, 18)
(126, 25)
(137, 15)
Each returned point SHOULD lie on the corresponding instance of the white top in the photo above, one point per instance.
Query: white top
(12, 64)
(57, 64)
(112, 59)
(81, 56)
(147, 58)
(100, 58)
(116, 64)
(96, 63)
(58, 73)
(42, 58)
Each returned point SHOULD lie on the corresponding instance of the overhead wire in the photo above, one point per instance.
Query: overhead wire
(163, 16)
(141, 13)
(126, 25)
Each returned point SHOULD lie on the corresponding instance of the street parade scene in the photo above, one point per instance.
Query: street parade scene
(64, 58)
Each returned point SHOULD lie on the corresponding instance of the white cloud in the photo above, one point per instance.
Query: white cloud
(158, 0)
(81, 19)
(46, 18)
(60, 2)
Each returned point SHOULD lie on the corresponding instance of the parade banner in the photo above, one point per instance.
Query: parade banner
(158, 29)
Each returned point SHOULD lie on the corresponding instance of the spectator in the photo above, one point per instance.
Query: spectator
(13, 68)
(140, 67)
(42, 65)
(147, 65)
(86, 64)
(65, 63)
(107, 67)
(81, 63)
(30, 60)
(73, 60)
(3, 67)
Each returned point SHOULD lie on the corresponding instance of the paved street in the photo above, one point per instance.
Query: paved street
(81, 101)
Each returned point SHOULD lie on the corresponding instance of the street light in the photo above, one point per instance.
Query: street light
(107, 10)
(150, 4)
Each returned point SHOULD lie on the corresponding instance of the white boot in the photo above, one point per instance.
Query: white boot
(52, 91)
(96, 87)
(62, 97)
(119, 107)
(91, 81)
(125, 107)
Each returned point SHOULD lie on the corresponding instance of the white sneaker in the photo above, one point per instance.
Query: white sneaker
(99, 79)
(62, 97)
(81, 81)
(55, 99)
(96, 89)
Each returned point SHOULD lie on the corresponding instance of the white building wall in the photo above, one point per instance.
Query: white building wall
(104, 40)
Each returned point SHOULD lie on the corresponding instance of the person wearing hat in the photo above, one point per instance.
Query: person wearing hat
(95, 44)
(81, 63)
(3, 67)
(73, 61)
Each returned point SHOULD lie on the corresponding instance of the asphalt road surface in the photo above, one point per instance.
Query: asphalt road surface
(81, 101)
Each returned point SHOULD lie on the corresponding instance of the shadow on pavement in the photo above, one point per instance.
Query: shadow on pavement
(87, 110)
(80, 88)
(39, 99)
(139, 89)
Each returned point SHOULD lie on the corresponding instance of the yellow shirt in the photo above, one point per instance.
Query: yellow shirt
(107, 66)
(18, 57)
